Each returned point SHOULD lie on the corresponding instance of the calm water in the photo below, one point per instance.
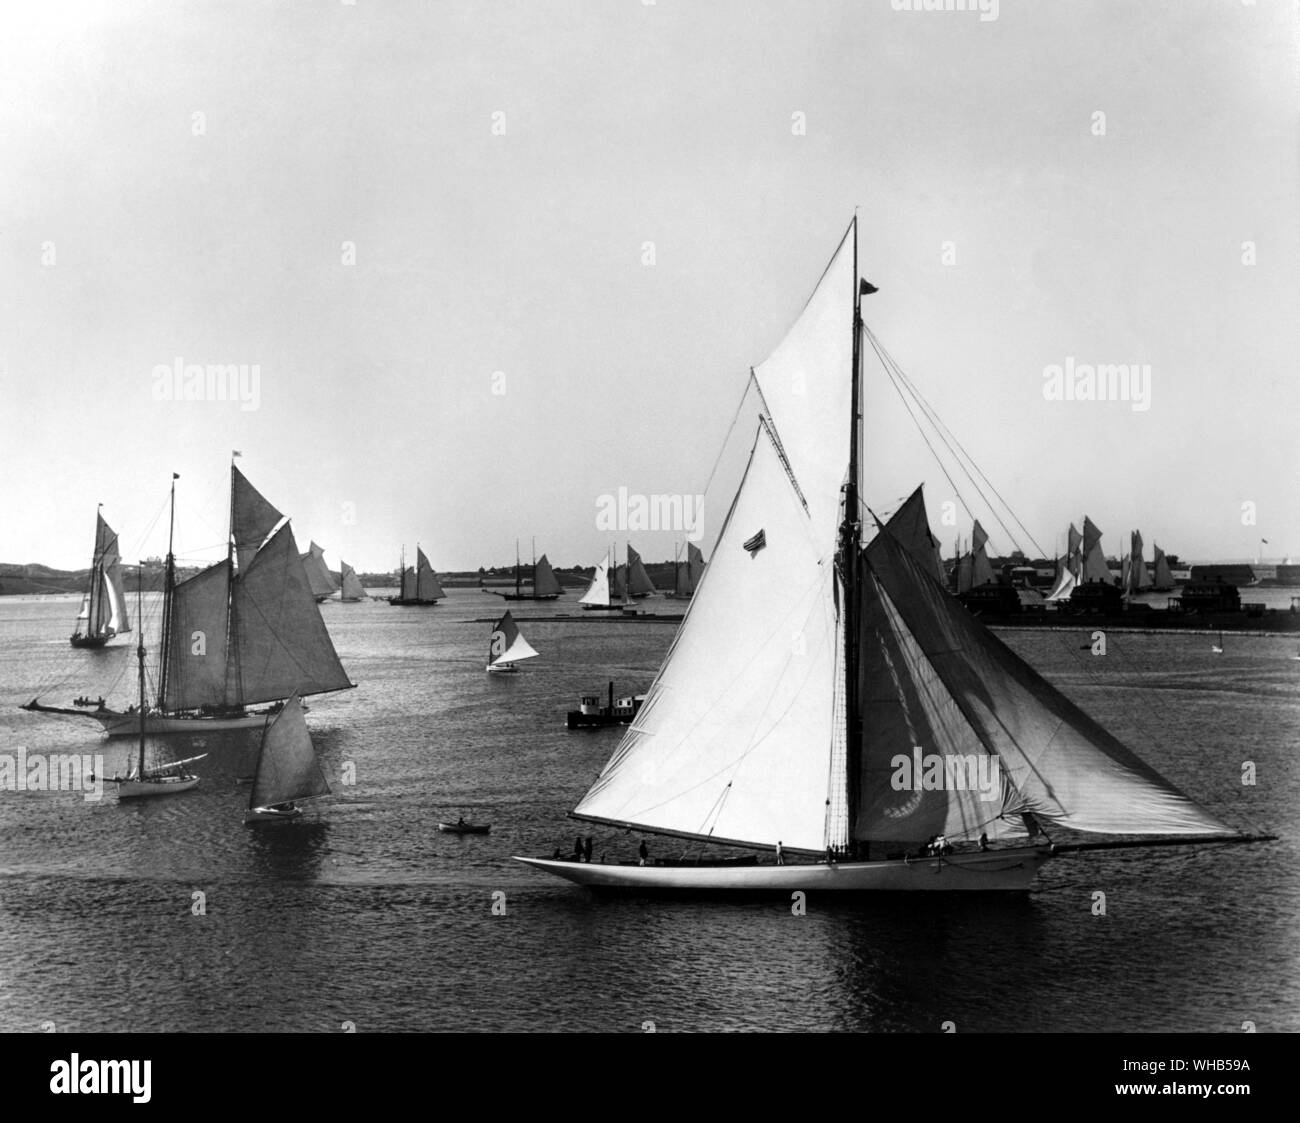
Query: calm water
(364, 913)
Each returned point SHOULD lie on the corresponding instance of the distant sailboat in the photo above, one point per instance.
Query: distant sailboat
(638, 580)
(103, 612)
(323, 585)
(975, 569)
(602, 594)
(352, 589)
(1064, 583)
(545, 585)
(287, 768)
(743, 743)
(687, 573)
(1164, 578)
(243, 631)
(419, 584)
(1094, 561)
(506, 646)
(1217, 648)
(1137, 579)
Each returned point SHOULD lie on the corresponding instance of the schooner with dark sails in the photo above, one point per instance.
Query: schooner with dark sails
(815, 669)
(239, 633)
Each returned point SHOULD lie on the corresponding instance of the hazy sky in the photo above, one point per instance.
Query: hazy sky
(424, 226)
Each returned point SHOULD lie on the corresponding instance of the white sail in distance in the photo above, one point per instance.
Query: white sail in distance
(506, 645)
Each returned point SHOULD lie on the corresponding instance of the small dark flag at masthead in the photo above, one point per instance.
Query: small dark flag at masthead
(866, 288)
(753, 545)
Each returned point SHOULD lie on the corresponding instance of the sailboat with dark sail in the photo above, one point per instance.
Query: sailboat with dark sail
(506, 647)
(103, 613)
(545, 585)
(418, 584)
(352, 589)
(323, 585)
(687, 572)
(897, 745)
(244, 631)
(287, 768)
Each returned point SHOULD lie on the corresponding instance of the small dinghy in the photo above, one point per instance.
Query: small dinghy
(463, 827)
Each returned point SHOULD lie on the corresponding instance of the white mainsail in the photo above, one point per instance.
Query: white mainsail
(602, 592)
(506, 645)
(352, 587)
(734, 739)
(1064, 583)
(287, 768)
(806, 386)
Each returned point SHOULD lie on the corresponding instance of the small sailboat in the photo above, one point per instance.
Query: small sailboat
(168, 779)
(419, 585)
(545, 585)
(638, 580)
(463, 827)
(687, 573)
(1164, 577)
(103, 612)
(351, 589)
(287, 768)
(1217, 648)
(323, 585)
(603, 594)
(506, 647)
(848, 751)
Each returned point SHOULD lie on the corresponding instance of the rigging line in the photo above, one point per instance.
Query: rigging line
(895, 372)
(940, 422)
(726, 440)
(951, 482)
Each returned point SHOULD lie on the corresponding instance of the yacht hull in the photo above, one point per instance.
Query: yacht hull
(1010, 870)
(167, 785)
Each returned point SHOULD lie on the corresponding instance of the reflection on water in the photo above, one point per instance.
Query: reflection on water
(170, 914)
